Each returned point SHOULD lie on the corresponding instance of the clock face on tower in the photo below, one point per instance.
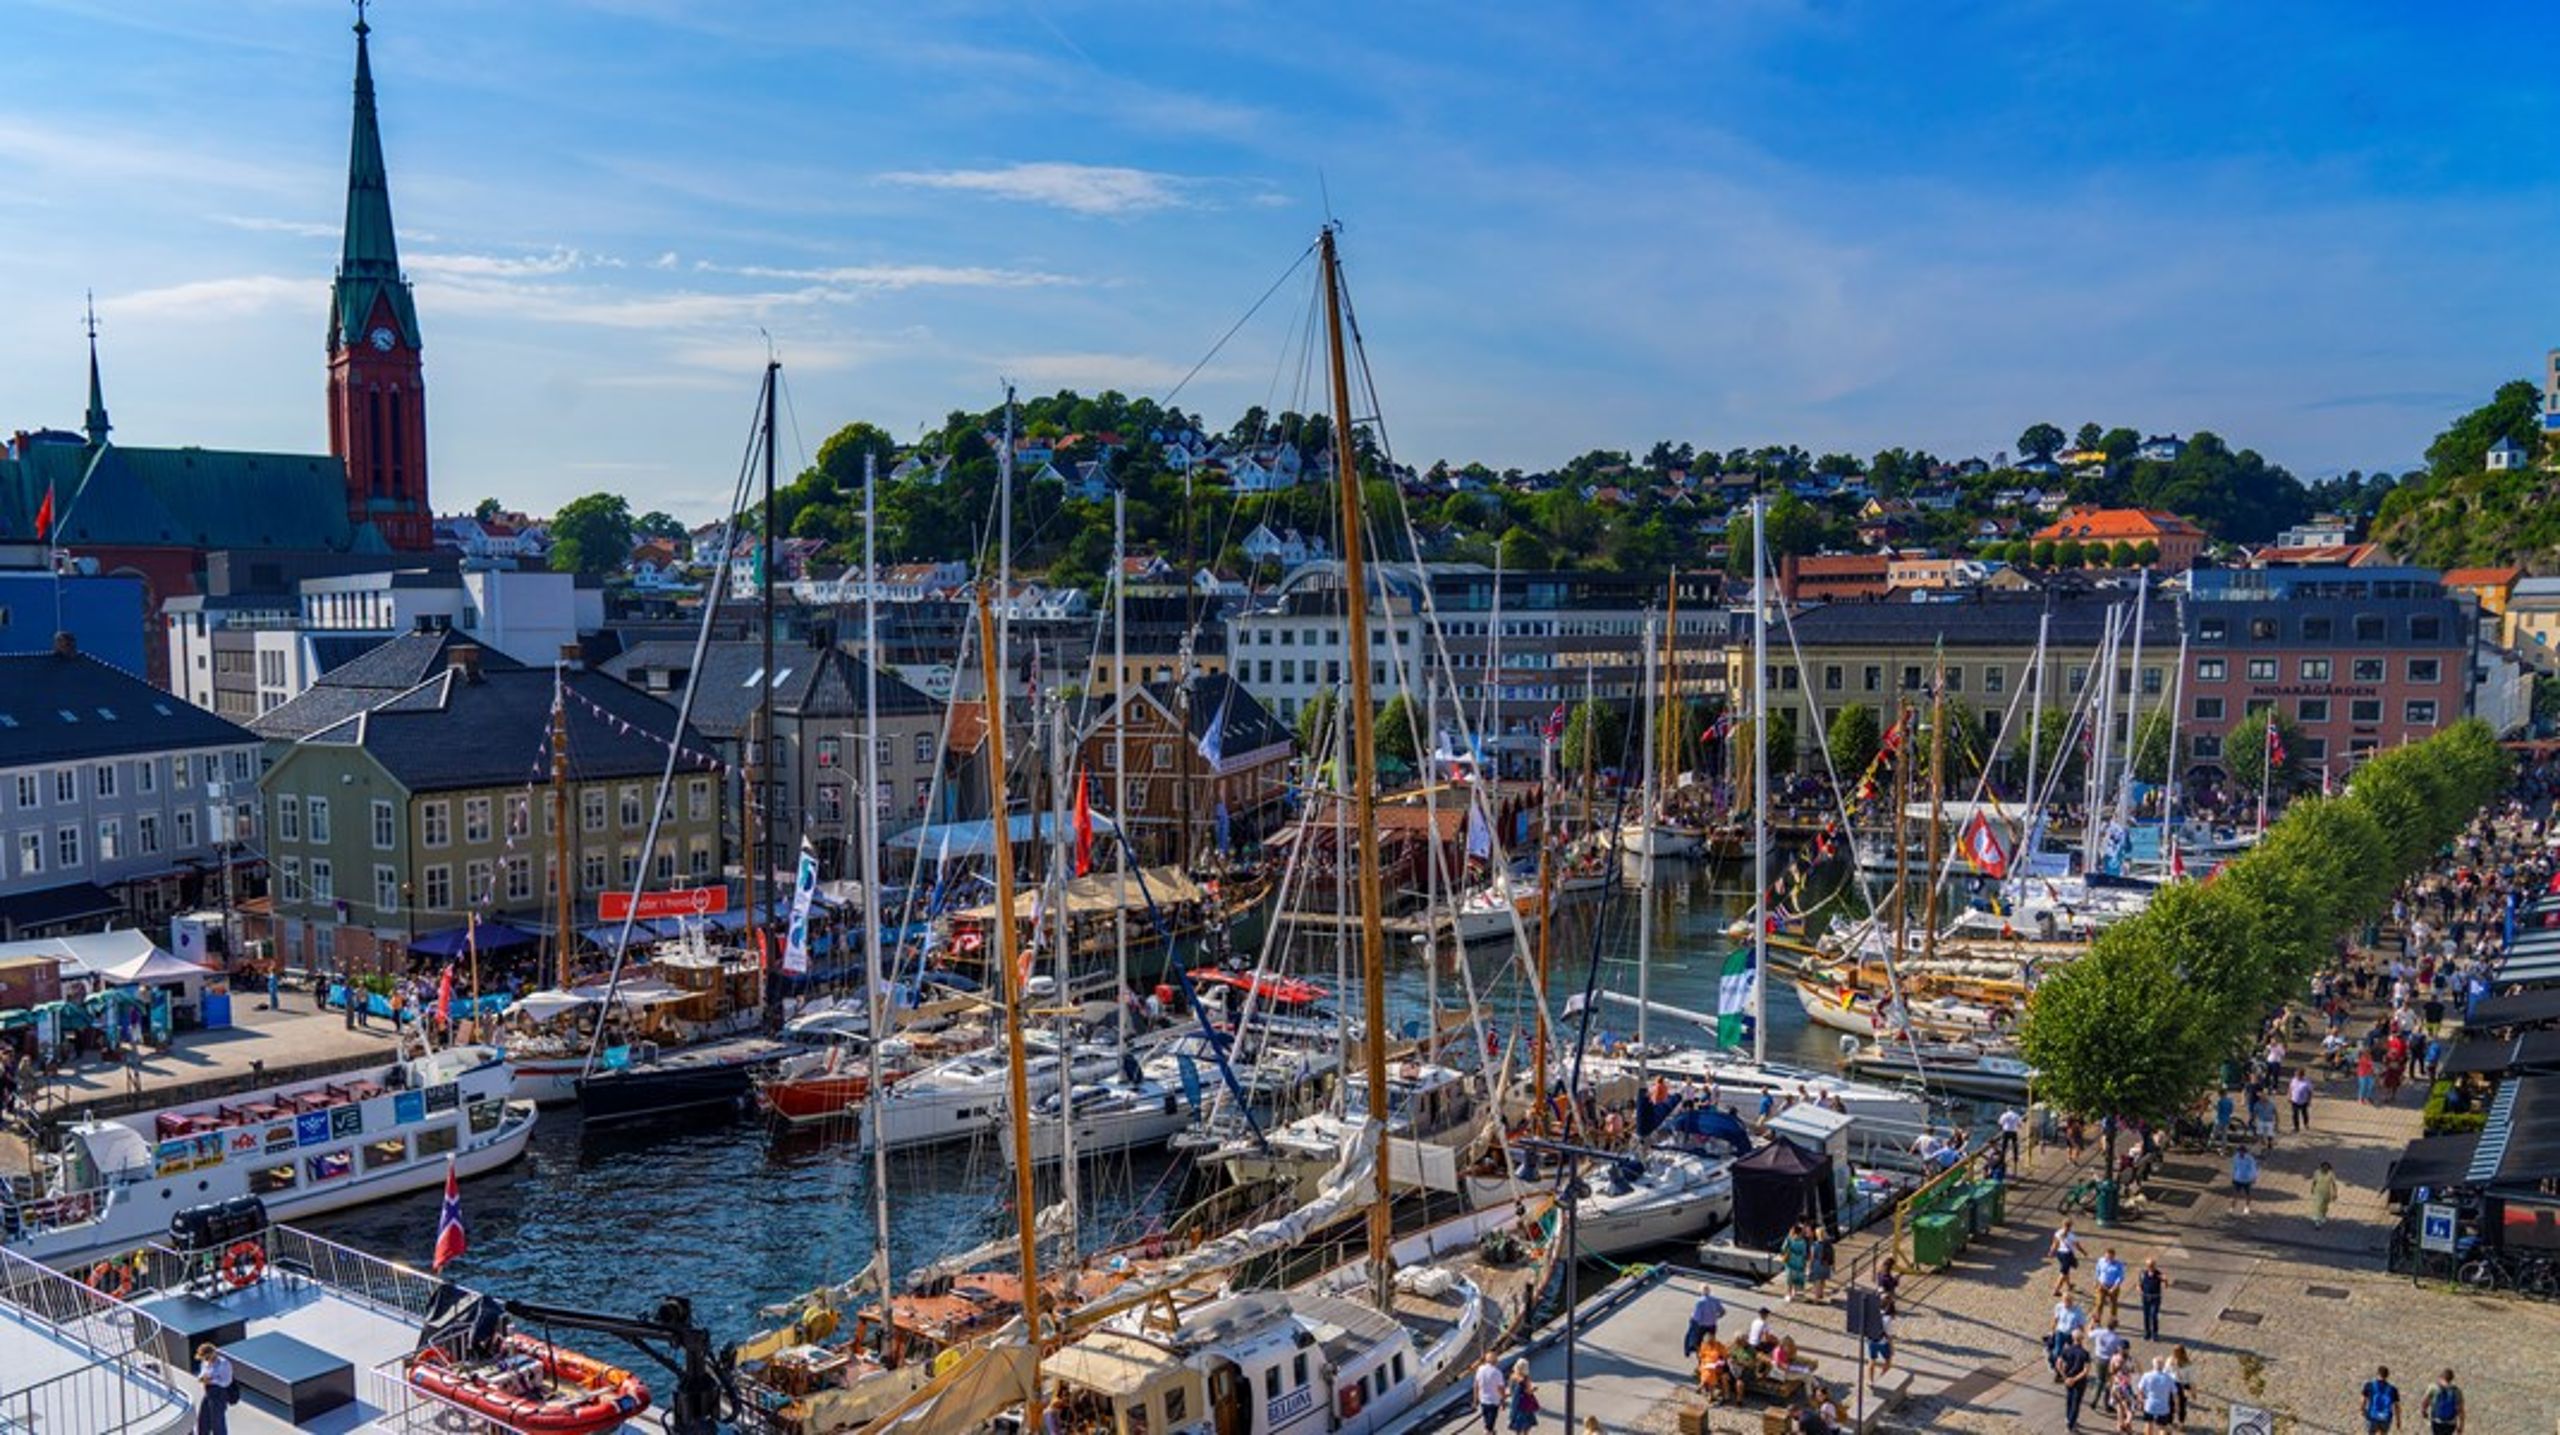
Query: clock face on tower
(383, 339)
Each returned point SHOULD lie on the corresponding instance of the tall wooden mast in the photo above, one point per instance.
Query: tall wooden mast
(1018, 1096)
(1364, 767)
(564, 881)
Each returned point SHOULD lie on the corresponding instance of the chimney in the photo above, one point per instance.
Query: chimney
(65, 645)
(573, 657)
(465, 661)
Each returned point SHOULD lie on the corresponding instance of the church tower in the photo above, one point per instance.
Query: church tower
(377, 384)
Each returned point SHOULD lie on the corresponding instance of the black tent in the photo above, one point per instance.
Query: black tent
(2532, 1051)
(1777, 1186)
(2521, 1145)
(2434, 1162)
(2526, 1008)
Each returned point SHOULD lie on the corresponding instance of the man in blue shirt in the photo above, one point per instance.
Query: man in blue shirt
(2110, 1289)
(1704, 1317)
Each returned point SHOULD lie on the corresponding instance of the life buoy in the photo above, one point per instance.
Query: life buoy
(817, 1325)
(113, 1279)
(1351, 1398)
(244, 1264)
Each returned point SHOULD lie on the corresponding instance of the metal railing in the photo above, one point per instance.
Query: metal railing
(407, 1410)
(105, 1397)
(124, 1387)
(400, 1292)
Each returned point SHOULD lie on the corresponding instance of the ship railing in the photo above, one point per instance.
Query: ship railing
(403, 1293)
(122, 1387)
(407, 1410)
(104, 1397)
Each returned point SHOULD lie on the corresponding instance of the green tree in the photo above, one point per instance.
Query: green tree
(2151, 747)
(2047, 736)
(2089, 436)
(2245, 751)
(1315, 723)
(1595, 736)
(1398, 729)
(1522, 552)
(1855, 737)
(2122, 1032)
(657, 524)
(487, 509)
(591, 535)
(2121, 555)
(2044, 552)
(2069, 553)
(1967, 744)
(2039, 441)
(2147, 553)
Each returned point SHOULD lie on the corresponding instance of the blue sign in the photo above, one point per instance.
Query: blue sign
(311, 1128)
(2435, 1229)
(409, 1107)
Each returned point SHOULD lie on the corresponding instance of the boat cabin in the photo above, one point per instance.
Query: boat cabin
(1422, 1099)
(1264, 1363)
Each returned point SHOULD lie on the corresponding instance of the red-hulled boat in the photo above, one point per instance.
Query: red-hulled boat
(821, 1085)
(534, 1386)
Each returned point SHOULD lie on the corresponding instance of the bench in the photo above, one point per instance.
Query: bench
(290, 1380)
(172, 1326)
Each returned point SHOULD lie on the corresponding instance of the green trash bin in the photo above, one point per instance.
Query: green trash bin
(1977, 1207)
(1996, 1195)
(2107, 1203)
(1934, 1239)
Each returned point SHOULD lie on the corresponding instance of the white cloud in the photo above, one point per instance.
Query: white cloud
(213, 298)
(1140, 372)
(258, 224)
(501, 266)
(1076, 188)
(898, 276)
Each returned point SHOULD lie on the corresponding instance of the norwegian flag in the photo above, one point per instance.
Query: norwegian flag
(451, 1240)
(1555, 723)
(2275, 749)
(2177, 859)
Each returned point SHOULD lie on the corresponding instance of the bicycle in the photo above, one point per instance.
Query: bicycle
(2501, 1270)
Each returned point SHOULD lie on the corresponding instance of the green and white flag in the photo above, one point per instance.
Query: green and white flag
(1737, 994)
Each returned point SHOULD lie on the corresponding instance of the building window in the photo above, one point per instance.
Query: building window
(2368, 670)
(2262, 670)
(146, 833)
(30, 853)
(1995, 679)
(591, 871)
(630, 865)
(2313, 710)
(289, 877)
(186, 827)
(2315, 749)
(436, 892)
(2262, 630)
(519, 816)
(1955, 680)
(2315, 670)
(2208, 709)
(2318, 630)
(435, 821)
(2075, 679)
(240, 767)
(319, 819)
(631, 806)
(591, 809)
(2151, 682)
(106, 779)
(924, 740)
(924, 793)
(664, 864)
(1833, 679)
(2425, 670)
(479, 882)
(2211, 630)
(830, 806)
(1872, 677)
(146, 774)
(1138, 795)
(830, 751)
(288, 818)
(2368, 628)
(475, 820)
(1911, 677)
(697, 799)
(324, 880)
(182, 772)
(698, 858)
(2208, 747)
(519, 872)
(2364, 710)
(2426, 630)
(386, 889)
(30, 792)
(110, 840)
(386, 832)
(2212, 670)
(2421, 712)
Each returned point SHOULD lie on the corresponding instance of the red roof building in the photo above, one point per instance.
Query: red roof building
(2181, 543)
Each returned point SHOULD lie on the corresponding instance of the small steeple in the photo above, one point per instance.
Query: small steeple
(96, 424)
(369, 264)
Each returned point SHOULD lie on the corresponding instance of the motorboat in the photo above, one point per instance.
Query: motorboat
(1432, 1115)
(302, 1147)
(1633, 1200)
(1963, 1068)
(525, 1382)
(963, 1097)
(643, 1081)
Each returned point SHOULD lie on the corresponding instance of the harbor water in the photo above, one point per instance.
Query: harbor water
(736, 1218)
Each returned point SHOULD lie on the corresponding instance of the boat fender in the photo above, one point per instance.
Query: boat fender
(817, 1325)
(942, 1363)
(244, 1264)
(1351, 1397)
(113, 1279)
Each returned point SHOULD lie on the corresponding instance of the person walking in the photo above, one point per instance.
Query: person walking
(2381, 1403)
(1489, 1387)
(2324, 1190)
(1704, 1317)
(2364, 1076)
(1817, 1267)
(2444, 1406)
(2110, 1274)
(2152, 1286)
(2065, 1250)
(1797, 1253)
(2071, 1369)
(2011, 1123)
(1523, 1397)
(2183, 1367)
(2244, 1176)
(2157, 1393)
(213, 1408)
(2068, 1322)
(2299, 1093)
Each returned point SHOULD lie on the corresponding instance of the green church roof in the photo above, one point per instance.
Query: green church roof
(182, 497)
(369, 268)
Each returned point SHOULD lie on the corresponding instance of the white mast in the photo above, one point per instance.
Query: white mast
(1120, 746)
(876, 996)
(2133, 705)
(1063, 868)
(1759, 782)
(2169, 770)
(1646, 846)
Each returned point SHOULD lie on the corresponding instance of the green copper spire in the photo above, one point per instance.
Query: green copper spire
(369, 267)
(96, 423)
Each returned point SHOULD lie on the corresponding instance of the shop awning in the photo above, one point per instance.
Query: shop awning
(2529, 970)
(2530, 1051)
(2528, 1008)
(70, 902)
(2521, 1144)
(2432, 1161)
(496, 939)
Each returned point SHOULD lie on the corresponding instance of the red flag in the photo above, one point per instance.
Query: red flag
(2177, 859)
(444, 995)
(44, 515)
(1555, 723)
(2275, 749)
(451, 1240)
(1982, 849)
(1084, 824)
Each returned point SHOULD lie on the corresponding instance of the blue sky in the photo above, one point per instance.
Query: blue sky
(2317, 230)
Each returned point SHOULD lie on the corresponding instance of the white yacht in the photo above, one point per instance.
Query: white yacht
(1642, 1199)
(1432, 1116)
(963, 1098)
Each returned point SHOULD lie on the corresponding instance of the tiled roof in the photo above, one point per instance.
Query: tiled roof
(811, 682)
(2112, 523)
(62, 707)
(2481, 577)
(382, 671)
(448, 732)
